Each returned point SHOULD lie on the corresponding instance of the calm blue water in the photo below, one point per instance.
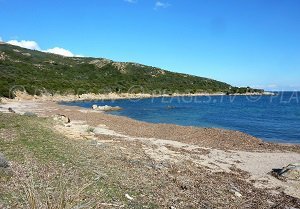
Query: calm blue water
(272, 118)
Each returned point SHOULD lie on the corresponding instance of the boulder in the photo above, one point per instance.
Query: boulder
(3, 161)
(62, 118)
(106, 108)
(94, 107)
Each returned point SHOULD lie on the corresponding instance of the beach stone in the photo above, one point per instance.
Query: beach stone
(3, 161)
(62, 118)
(94, 107)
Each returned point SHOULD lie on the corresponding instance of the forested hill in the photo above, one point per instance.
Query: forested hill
(40, 72)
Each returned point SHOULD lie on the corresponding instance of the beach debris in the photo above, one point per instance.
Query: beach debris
(234, 190)
(291, 171)
(106, 108)
(62, 118)
(238, 194)
(11, 110)
(3, 161)
(128, 197)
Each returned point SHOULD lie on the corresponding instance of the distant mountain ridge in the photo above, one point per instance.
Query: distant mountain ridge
(40, 72)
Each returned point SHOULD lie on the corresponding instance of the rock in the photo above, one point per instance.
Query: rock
(109, 108)
(106, 108)
(11, 110)
(94, 107)
(3, 161)
(62, 118)
(291, 171)
(128, 197)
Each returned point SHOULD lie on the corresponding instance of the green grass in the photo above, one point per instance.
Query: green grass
(32, 138)
(48, 165)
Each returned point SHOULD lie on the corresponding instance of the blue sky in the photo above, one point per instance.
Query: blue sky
(242, 42)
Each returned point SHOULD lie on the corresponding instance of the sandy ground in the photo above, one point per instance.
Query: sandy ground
(215, 149)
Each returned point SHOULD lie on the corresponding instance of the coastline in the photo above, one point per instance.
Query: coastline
(52, 107)
(57, 99)
(20, 96)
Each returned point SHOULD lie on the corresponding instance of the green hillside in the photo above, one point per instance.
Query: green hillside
(40, 72)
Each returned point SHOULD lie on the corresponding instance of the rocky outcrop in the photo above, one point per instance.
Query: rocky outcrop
(99, 63)
(121, 66)
(106, 108)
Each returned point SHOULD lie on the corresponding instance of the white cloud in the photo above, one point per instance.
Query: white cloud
(60, 51)
(34, 46)
(25, 44)
(131, 1)
(160, 4)
(1, 39)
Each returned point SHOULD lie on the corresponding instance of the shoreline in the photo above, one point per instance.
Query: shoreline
(60, 100)
(20, 96)
(279, 142)
(58, 103)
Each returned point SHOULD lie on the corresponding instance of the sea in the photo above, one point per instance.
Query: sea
(274, 118)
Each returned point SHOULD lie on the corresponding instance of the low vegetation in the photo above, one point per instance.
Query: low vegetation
(39, 73)
(49, 171)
